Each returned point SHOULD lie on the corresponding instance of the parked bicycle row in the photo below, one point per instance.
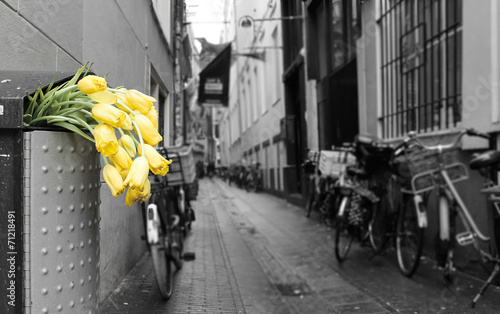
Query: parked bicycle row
(247, 177)
(376, 194)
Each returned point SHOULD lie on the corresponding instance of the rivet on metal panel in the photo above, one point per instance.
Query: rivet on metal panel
(45, 148)
(71, 227)
(59, 169)
(82, 187)
(71, 266)
(45, 169)
(82, 245)
(59, 288)
(45, 230)
(59, 189)
(45, 251)
(82, 225)
(59, 249)
(82, 149)
(90, 223)
(45, 310)
(59, 209)
(72, 188)
(45, 271)
(82, 282)
(82, 263)
(59, 307)
(82, 299)
(82, 168)
(90, 167)
(90, 260)
(45, 291)
(82, 206)
(59, 268)
(72, 169)
(72, 208)
(71, 246)
(90, 296)
(44, 210)
(90, 278)
(45, 189)
(59, 229)
(90, 205)
(90, 186)
(72, 149)
(71, 285)
(71, 304)
(90, 243)
(59, 148)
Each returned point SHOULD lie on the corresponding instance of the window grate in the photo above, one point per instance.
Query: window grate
(421, 67)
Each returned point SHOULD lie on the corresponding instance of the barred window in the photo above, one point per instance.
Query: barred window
(421, 65)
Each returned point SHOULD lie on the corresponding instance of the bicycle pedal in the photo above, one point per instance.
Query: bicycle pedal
(465, 238)
(188, 256)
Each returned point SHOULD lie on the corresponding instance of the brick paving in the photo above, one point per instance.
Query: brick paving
(256, 253)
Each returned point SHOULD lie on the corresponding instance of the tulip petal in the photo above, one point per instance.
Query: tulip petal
(105, 97)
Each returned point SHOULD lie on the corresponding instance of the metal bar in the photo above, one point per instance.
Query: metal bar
(465, 212)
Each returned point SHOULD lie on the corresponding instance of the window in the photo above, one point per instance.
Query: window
(334, 29)
(421, 67)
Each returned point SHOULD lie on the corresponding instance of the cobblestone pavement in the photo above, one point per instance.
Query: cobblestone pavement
(256, 253)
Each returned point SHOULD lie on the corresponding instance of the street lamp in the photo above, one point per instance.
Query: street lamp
(246, 21)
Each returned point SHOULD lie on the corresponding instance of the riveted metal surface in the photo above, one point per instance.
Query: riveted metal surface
(64, 223)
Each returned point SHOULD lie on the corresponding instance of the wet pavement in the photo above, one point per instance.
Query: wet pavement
(256, 253)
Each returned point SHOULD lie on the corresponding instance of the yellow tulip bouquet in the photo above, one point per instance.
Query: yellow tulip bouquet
(86, 106)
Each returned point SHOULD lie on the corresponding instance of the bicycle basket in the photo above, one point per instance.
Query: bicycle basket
(419, 166)
(334, 163)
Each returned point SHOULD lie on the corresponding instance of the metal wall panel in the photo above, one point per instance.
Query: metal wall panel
(62, 216)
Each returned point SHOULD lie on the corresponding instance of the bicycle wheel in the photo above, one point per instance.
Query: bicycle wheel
(409, 238)
(343, 236)
(160, 252)
(175, 231)
(377, 227)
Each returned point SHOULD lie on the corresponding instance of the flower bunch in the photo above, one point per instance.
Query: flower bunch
(85, 105)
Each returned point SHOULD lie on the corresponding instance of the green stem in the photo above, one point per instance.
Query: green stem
(126, 107)
(106, 162)
(140, 136)
(85, 124)
(133, 137)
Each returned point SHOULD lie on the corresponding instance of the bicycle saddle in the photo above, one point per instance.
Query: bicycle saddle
(485, 159)
(371, 141)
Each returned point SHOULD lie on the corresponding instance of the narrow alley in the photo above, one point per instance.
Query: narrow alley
(256, 253)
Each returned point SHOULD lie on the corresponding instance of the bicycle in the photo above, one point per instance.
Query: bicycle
(357, 199)
(442, 171)
(166, 215)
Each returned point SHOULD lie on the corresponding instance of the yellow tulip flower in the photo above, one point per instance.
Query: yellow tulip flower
(135, 195)
(149, 132)
(138, 173)
(108, 114)
(121, 159)
(153, 116)
(113, 180)
(122, 99)
(105, 139)
(157, 164)
(124, 173)
(128, 144)
(127, 123)
(91, 84)
(139, 101)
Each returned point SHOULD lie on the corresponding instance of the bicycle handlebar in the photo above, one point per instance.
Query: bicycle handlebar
(412, 137)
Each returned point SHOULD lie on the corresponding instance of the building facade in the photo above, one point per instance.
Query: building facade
(250, 128)
(135, 43)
